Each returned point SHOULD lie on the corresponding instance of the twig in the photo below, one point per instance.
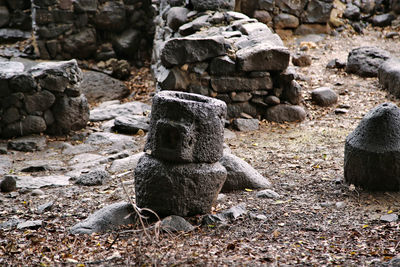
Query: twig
(115, 240)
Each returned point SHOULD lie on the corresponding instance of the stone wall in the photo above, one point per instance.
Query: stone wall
(44, 98)
(15, 20)
(229, 56)
(100, 29)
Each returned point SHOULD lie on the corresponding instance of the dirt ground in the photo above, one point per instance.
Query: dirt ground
(318, 220)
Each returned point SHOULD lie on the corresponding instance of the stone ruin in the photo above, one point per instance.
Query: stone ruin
(15, 20)
(180, 174)
(372, 150)
(44, 98)
(229, 56)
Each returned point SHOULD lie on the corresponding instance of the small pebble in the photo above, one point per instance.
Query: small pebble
(268, 193)
(341, 111)
(37, 192)
(389, 217)
(340, 205)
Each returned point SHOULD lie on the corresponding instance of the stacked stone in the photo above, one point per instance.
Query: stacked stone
(45, 98)
(302, 16)
(15, 20)
(93, 28)
(181, 173)
(229, 56)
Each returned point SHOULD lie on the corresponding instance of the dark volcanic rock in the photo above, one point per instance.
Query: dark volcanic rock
(99, 87)
(82, 44)
(389, 76)
(365, 61)
(111, 16)
(96, 177)
(179, 51)
(372, 150)
(176, 17)
(352, 12)
(318, 11)
(8, 184)
(175, 223)
(203, 5)
(175, 188)
(246, 124)
(127, 43)
(131, 124)
(324, 96)
(283, 112)
(27, 144)
(4, 16)
(186, 127)
(382, 20)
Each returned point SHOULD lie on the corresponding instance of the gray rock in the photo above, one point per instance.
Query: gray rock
(301, 60)
(288, 6)
(252, 58)
(395, 6)
(114, 110)
(37, 192)
(340, 205)
(33, 225)
(372, 150)
(130, 124)
(42, 165)
(389, 217)
(5, 164)
(125, 164)
(175, 223)
(365, 61)
(30, 125)
(127, 43)
(336, 64)
(70, 114)
(22, 82)
(272, 100)
(318, 11)
(8, 184)
(176, 17)
(78, 149)
(173, 79)
(324, 96)
(203, 5)
(230, 84)
(8, 225)
(57, 76)
(245, 125)
(31, 182)
(389, 76)
(292, 93)
(107, 218)
(236, 110)
(225, 216)
(176, 188)
(111, 16)
(99, 87)
(240, 96)
(241, 175)
(267, 193)
(13, 35)
(382, 20)
(222, 66)
(195, 25)
(40, 101)
(81, 45)
(28, 144)
(289, 113)
(117, 140)
(96, 177)
(179, 51)
(45, 207)
(352, 12)
(285, 21)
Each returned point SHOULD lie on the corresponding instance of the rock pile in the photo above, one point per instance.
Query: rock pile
(45, 98)
(181, 174)
(100, 29)
(15, 20)
(372, 150)
(229, 56)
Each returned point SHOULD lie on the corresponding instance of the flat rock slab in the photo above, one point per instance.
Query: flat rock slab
(179, 51)
(107, 218)
(118, 141)
(38, 182)
(372, 150)
(241, 175)
(245, 125)
(131, 124)
(112, 111)
(175, 223)
(365, 61)
(28, 143)
(99, 87)
(389, 76)
(42, 165)
(125, 164)
(95, 177)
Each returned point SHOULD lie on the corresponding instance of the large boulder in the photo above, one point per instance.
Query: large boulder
(99, 87)
(365, 61)
(372, 150)
(186, 127)
(389, 76)
(182, 189)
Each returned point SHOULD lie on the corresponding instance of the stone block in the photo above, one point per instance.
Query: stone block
(389, 76)
(186, 127)
(175, 188)
(230, 84)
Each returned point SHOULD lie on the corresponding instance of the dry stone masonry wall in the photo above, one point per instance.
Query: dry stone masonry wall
(226, 55)
(45, 98)
(100, 29)
(15, 20)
